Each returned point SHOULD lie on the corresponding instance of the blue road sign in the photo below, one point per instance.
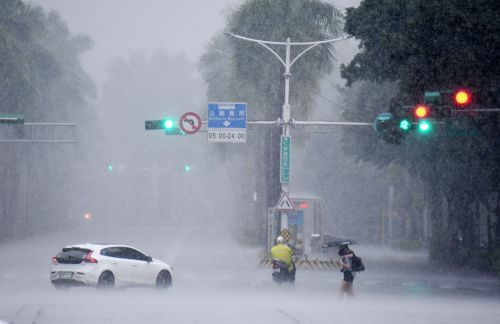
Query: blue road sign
(227, 115)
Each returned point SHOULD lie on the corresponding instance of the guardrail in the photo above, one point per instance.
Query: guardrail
(38, 132)
(305, 263)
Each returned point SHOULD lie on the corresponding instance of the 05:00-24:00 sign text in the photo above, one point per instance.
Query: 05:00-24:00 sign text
(226, 136)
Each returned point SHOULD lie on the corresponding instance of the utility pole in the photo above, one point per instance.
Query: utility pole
(285, 118)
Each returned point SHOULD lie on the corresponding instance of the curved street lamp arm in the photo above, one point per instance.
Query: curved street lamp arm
(284, 43)
(302, 53)
(263, 43)
(256, 40)
(314, 44)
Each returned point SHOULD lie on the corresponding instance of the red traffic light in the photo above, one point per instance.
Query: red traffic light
(421, 111)
(462, 97)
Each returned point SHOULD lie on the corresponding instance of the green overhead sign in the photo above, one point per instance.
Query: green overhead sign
(285, 159)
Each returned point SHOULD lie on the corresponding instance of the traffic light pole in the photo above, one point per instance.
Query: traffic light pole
(287, 63)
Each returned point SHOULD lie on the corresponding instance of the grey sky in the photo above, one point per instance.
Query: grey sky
(121, 26)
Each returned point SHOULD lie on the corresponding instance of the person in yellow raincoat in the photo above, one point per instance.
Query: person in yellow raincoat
(284, 253)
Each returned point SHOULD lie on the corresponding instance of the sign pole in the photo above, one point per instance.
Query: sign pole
(286, 106)
(285, 131)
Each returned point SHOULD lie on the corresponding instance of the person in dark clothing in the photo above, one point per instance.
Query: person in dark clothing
(345, 261)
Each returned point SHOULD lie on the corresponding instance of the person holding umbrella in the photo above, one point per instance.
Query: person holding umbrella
(345, 261)
(347, 266)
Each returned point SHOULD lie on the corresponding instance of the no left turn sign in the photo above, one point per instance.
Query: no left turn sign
(190, 123)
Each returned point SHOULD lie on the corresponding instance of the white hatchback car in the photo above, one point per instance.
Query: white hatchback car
(107, 265)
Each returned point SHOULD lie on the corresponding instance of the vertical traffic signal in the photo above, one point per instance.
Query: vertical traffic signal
(422, 112)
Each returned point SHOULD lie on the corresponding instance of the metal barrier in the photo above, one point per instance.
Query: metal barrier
(38, 132)
(305, 263)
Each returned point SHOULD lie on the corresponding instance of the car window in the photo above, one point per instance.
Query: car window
(114, 252)
(140, 256)
(133, 254)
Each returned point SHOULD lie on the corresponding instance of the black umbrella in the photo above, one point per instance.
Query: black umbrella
(338, 242)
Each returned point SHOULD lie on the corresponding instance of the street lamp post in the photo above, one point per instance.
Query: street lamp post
(286, 106)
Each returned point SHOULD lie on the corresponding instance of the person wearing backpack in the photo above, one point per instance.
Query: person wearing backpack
(345, 261)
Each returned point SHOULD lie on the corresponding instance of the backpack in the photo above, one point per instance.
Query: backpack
(357, 263)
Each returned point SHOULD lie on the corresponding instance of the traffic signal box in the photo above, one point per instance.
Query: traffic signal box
(169, 124)
(385, 124)
(436, 108)
(419, 117)
(460, 98)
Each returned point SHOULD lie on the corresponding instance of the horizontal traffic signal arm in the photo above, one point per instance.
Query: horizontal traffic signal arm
(11, 119)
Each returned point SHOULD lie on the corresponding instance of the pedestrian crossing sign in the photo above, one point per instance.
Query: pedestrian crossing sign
(284, 204)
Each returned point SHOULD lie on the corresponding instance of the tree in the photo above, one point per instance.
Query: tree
(41, 78)
(397, 45)
(236, 70)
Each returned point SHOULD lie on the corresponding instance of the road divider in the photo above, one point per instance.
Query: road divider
(305, 263)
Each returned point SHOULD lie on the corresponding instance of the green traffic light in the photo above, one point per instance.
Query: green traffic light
(187, 168)
(424, 126)
(110, 167)
(169, 123)
(405, 125)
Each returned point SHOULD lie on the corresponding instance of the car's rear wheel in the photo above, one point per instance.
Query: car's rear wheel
(164, 279)
(106, 280)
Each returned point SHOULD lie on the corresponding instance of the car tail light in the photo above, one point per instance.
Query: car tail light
(88, 258)
(54, 260)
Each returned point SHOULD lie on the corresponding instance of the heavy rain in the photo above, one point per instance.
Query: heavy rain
(153, 153)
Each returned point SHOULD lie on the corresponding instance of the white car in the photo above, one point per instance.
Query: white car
(107, 265)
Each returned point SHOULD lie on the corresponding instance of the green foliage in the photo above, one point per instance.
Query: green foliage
(42, 79)
(422, 45)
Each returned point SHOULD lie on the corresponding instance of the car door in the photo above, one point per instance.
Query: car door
(144, 271)
(117, 263)
(130, 266)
